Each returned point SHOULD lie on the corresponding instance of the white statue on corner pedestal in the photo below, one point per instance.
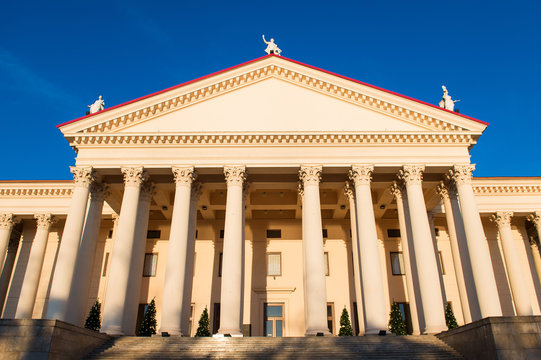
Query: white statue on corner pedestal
(446, 102)
(98, 105)
(272, 48)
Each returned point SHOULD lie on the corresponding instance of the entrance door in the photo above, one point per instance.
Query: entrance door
(274, 320)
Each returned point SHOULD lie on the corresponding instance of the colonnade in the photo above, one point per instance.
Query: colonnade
(469, 248)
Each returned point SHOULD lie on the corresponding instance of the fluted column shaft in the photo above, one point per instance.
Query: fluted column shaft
(521, 295)
(6, 225)
(371, 276)
(483, 273)
(425, 256)
(80, 289)
(536, 219)
(137, 259)
(117, 286)
(176, 269)
(455, 251)
(29, 289)
(232, 267)
(315, 297)
(57, 307)
(350, 192)
(399, 194)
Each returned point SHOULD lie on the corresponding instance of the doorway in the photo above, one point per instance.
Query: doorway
(273, 320)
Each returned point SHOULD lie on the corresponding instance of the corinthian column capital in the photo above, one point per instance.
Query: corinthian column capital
(502, 218)
(536, 219)
(310, 174)
(349, 190)
(235, 175)
(462, 174)
(134, 176)
(442, 191)
(300, 189)
(397, 190)
(44, 221)
(184, 175)
(148, 189)
(99, 191)
(7, 220)
(412, 174)
(83, 176)
(361, 174)
(197, 190)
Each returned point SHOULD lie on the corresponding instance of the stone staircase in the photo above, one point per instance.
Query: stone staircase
(363, 347)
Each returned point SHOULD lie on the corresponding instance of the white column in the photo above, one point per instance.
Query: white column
(425, 256)
(190, 259)
(117, 286)
(536, 219)
(29, 289)
(137, 259)
(175, 271)
(57, 307)
(231, 294)
(6, 225)
(521, 296)
(7, 269)
(483, 273)
(399, 194)
(371, 276)
(315, 296)
(455, 251)
(80, 289)
(350, 192)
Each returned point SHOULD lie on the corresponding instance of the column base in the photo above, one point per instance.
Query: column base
(227, 334)
(318, 332)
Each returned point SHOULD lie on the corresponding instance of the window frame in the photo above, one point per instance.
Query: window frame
(401, 265)
(153, 269)
(327, 264)
(267, 263)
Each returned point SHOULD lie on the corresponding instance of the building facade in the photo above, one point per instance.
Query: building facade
(274, 194)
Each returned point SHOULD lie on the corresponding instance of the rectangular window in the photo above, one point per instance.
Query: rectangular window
(406, 316)
(437, 231)
(153, 234)
(326, 264)
(325, 233)
(110, 235)
(196, 234)
(393, 233)
(330, 317)
(397, 263)
(221, 234)
(151, 262)
(440, 258)
(274, 266)
(105, 262)
(220, 264)
(216, 318)
(274, 234)
(190, 322)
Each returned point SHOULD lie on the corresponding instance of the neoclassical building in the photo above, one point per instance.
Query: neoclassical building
(275, 195)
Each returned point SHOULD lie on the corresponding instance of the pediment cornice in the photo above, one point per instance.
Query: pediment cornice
(273, 67)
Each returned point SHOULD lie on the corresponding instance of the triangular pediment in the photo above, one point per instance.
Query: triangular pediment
(273, 95)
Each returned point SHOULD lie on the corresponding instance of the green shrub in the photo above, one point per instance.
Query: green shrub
(450, 319)
(203, 328)
(345, 324)
(93, 320)
(396, 322)
(148, 325)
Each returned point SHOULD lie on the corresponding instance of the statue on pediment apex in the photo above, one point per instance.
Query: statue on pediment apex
(272, 48)
(446, 102)
(98, 105)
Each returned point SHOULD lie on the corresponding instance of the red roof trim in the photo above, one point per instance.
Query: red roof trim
(261, 58)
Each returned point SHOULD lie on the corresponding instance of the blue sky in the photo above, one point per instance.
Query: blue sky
(56, 57)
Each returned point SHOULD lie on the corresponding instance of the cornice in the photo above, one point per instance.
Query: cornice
(237, 81)
(506, 189)
(82, 140)
(36, 192)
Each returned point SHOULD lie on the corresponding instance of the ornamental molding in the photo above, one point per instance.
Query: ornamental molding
(265, 72)
(502, 218)
(196, 191)
(148, 189)
(506, 189)
(7, 220)
(184, 175)
(349, 190)
(361, 174)
(412, 174)
(99, 191)
(398, 191)
(83, 176)
(536, 219)
(310, 175)
(277, 139)
(235, 175)
(36, 192)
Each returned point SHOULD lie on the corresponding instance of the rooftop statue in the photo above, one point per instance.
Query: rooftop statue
(98, 105)
(446, 102)
(272, 48)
